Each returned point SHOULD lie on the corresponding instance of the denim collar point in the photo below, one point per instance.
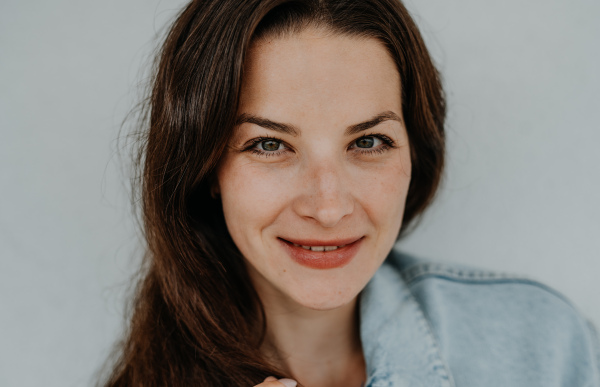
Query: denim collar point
(399, 347)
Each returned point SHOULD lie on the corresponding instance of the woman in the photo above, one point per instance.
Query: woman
(289, 145)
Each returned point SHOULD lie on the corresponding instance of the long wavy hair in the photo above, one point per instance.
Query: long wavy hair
(196, 319)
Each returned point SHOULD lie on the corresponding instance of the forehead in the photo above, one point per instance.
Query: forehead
(318, 73)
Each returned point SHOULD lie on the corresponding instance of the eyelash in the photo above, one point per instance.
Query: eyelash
(254, 142)
(387, 143)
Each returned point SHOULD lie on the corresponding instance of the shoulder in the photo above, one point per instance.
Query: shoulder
(504, 296)
(480, 290)
(488, 320)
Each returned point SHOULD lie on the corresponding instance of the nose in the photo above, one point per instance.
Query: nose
(325, 195)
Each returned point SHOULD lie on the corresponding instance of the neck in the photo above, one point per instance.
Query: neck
(318, 348)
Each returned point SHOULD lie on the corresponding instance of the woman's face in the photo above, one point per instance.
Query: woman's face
(314, 180)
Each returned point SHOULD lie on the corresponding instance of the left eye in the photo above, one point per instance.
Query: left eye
(368, 142)
(269, 145)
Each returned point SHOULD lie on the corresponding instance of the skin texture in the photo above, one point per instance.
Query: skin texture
(317, 185)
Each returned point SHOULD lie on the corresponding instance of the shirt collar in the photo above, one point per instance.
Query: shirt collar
(398, 345)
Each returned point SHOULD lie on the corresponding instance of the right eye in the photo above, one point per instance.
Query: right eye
(266, 146)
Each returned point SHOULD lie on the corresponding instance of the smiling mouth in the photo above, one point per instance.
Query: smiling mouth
(319, 248)
(321, 254)
(321, 245)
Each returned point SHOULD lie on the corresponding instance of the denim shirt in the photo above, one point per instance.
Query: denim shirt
(438, 325)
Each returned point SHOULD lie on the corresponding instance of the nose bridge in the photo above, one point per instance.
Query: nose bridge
(326, 195)
(328, 178)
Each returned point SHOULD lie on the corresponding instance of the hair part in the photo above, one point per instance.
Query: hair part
(196, 318)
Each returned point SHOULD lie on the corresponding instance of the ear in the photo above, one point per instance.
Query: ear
(215, 189)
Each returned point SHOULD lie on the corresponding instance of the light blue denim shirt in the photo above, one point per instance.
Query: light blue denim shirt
(430, 325)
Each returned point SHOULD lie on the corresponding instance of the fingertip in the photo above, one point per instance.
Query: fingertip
(270, 379)
(288, 382)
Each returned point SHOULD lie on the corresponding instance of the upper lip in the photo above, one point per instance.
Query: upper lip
(320, 242)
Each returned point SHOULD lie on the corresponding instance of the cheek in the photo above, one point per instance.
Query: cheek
(383, 192)
(251, 197)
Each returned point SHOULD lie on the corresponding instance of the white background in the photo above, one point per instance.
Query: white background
(521, 193)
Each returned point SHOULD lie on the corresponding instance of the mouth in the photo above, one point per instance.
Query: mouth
(322, 254)
(320, 248)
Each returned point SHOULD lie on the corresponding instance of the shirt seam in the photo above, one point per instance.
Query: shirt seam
(422, 271)
(443, 372)
(419, 272)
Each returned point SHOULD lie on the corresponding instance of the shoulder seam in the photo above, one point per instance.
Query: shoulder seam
(421, 271)
(414, 272)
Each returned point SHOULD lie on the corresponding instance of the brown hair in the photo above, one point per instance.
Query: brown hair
(196, 318)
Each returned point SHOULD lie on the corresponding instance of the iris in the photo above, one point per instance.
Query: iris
(365, 142)
(270, 145)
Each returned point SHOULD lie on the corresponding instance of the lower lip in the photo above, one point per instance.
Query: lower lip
(323, 259)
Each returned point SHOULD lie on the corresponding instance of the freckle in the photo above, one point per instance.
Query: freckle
(284, 270)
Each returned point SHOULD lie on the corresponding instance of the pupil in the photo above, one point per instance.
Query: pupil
(270, 145)
(365, 142)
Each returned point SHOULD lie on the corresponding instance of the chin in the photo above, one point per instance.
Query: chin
(325, 298)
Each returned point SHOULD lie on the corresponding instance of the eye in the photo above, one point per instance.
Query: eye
(372, 144)
(368, 142)
(269, 145)
(266, 146)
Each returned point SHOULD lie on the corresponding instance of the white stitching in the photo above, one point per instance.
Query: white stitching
(435, 355)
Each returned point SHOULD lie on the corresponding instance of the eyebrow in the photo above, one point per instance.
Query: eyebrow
(268, 124)
(294, 131)
(376, 120)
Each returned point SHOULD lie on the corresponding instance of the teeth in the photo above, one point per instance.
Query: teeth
(319, 248)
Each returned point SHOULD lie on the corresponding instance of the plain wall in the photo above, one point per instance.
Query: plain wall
(521, 193)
